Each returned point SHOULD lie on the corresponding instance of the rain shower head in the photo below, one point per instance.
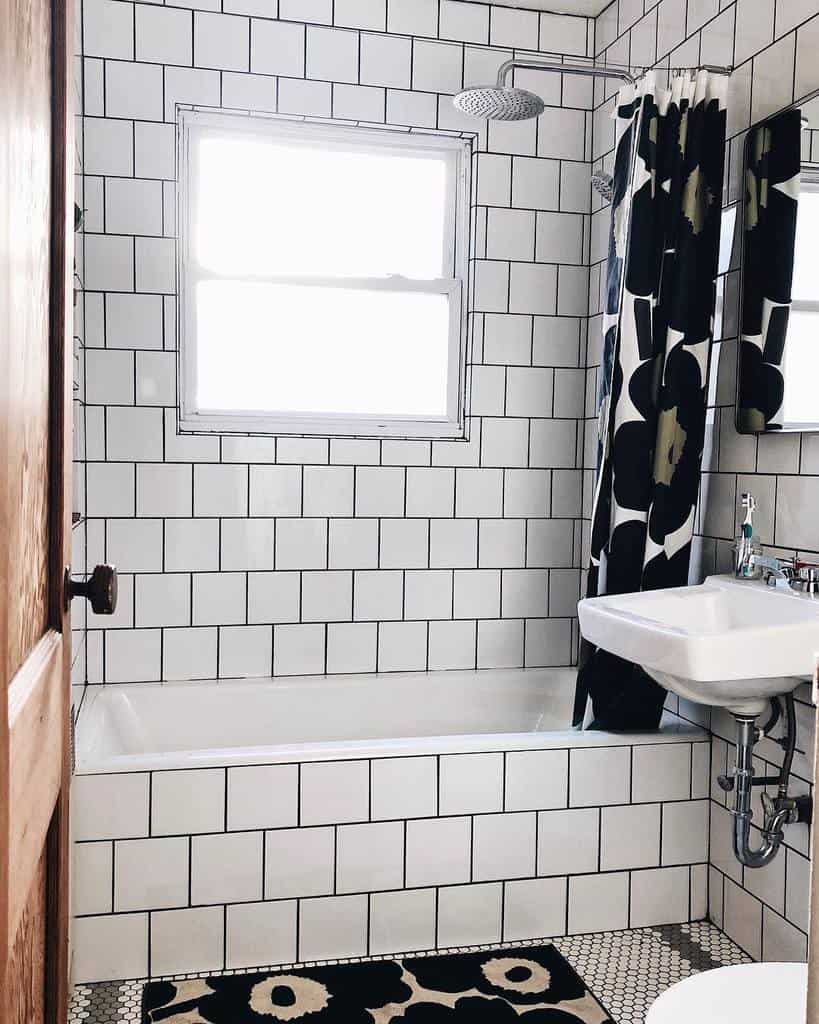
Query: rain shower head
(502, 102)
(603, 184)
(499, 103)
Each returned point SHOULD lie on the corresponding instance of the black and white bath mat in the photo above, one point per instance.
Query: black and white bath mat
(525, 985)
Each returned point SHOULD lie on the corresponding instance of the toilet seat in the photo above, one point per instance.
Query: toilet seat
(743, 994)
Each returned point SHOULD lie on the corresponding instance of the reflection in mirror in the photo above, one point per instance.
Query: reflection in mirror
(779, 347)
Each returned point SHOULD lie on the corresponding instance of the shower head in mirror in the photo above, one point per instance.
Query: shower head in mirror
(603, 184)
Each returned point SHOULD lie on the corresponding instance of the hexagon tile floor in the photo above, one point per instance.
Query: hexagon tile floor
(626, 970)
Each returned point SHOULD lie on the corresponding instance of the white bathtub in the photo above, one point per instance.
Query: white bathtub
(153, 726)
(247, 824)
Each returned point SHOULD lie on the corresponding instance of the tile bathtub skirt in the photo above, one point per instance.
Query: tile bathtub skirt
(498, 986)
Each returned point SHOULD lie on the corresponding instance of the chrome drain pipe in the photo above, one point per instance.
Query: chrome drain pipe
(778, 812)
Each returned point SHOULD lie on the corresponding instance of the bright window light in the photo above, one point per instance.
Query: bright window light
(800, 365)
(322, 275)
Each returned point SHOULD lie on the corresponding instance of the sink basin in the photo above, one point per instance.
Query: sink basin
(727, 642)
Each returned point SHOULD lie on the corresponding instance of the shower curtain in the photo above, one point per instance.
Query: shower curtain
(658, 329)
(774, 162)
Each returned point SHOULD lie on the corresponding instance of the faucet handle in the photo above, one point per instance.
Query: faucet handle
(807, 579)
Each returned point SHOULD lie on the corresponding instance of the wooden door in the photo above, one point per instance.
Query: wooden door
(36, 287)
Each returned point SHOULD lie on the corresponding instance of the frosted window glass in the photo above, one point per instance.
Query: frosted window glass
(330, 210)
(806, 265)
(801, 367)
(324, 350)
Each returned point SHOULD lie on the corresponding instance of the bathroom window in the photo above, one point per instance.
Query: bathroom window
(322, 276)
(800, 362)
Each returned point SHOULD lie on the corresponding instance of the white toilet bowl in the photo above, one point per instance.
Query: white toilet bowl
(744, 994)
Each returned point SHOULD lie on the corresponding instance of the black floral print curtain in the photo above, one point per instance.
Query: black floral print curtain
(773, 167)
(664, 246)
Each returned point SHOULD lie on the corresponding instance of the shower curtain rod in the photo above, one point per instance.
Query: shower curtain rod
(589, 70)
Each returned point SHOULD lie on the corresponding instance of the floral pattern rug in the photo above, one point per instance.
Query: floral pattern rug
(528, 985)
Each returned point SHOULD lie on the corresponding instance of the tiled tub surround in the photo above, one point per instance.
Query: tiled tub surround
(256, 556)
(384, 845)
(773, 45)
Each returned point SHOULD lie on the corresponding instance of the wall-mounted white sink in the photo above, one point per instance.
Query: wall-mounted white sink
(727, 642)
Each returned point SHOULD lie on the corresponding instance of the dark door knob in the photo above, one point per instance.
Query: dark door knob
(100, 589)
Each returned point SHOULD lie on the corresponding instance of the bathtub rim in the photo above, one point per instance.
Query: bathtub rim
(673, 729)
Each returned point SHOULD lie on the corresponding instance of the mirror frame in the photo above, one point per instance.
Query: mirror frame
(739, 225)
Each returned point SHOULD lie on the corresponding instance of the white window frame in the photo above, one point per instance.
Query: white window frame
(194, 124)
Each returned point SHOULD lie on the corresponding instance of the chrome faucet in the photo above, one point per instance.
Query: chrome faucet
(777, 572)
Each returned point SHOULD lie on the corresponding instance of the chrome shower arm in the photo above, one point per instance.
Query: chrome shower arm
(589, 70)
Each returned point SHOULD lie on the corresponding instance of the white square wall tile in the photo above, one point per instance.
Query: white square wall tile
(226, 868)
(536, 779)
(334, 791)
(500, 643)
(245, 651)
(471, 783)
(188, 801)
(299, 649)
(370, 857)
(503, 846)
(133, 655)
(659, 897)
(219, 598)
(333, 927)
(403, 787)
(332, 54)
(379, 491)
(162, 599)
(163, 35)
(299, 862)
(326, 596)
(534, 907)
(469, 915)
(248, 544)
(351, 646)
(220, 491)
(568, 841)
(438, 851)
(259, 934)
(191, 544)
(92, 866)
(277, 48)
(402, 646)
(221, 42)
(151, 874)
(402, 921)
(184, 941)
(630, 837)
(109, 948)
(353, 544)
(661, 771)
(599, 775)
(598, 903)
(275, 490)
(301, 544)
(109, 806)
(452, 645)
(685, 832)
(328, 490)
(262, 796)
(273, 596)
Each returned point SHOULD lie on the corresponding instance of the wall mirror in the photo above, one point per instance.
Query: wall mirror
(778, 364)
